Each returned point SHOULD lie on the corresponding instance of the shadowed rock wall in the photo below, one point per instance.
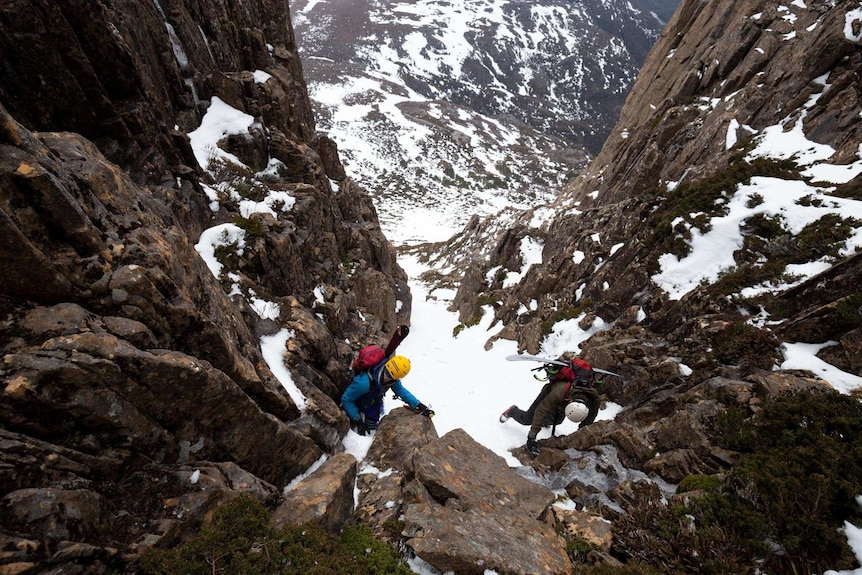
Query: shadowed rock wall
(134, 395)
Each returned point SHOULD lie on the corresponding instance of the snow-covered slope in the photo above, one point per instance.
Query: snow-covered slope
(443, 109)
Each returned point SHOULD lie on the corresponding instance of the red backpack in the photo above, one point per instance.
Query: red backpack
(583, 371)
(578, 371)
(368, 357)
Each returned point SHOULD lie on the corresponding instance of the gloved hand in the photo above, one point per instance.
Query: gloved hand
(359, 426)
(532, 447)
(423, 409)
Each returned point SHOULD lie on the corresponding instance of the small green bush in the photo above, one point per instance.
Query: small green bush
(226, 543)
(631, 568)
(564, 313)
(679, 539)
(801, 472)
(743, 344)
(825, 237)
(731, 426)
(226, 255)
(749, 274)
(764, 226)
(848, 313)
(754, 200)
(253, 227)
(240, 541)
(473, 321)
(577, 548)
(709, 483)
(233, 177)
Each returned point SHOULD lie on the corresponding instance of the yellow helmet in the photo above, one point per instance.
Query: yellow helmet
(398, 366)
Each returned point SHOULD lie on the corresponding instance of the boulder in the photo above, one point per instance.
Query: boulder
(459, 506)
(688, 427)
(677, 464)
(151, 401)
(480, 514)
(325, 496)
(729, 392)
(380, 504)
(459, 472)
(632, 492)
(54, 514)
(477, 541)
(778, 382)
(632, 443)
(592, 528)
(400, 435)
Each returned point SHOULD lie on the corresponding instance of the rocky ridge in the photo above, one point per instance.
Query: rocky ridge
(719, 76)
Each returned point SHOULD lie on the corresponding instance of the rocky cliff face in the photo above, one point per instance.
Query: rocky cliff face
(720, 74)
(125, 358)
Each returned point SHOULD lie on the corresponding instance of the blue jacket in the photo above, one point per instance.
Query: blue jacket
(366, 387)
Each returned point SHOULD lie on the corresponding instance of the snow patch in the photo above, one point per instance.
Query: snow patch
(272, 348)
(219, 236)
(221, 120)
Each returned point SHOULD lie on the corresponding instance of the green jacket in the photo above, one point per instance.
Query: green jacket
(560, 394)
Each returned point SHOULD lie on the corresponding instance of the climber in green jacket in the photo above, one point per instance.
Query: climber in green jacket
(570, 392)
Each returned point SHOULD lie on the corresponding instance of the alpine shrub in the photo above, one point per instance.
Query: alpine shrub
(709, 483)
(743, 344)
(240, 541)
(801, 471)
(848, 313)
(824, 237)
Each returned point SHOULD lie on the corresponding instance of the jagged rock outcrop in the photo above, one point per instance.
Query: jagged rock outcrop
(133, 382)
(611, 467)
(668, 427)
(464, 509)
(126, 76)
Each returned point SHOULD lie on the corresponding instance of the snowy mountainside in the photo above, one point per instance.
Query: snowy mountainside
(447, 109)
(729, 186)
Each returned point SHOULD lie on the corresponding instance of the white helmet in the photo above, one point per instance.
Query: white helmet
(577, 411)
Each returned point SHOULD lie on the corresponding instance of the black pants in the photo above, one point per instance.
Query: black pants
(526, 417)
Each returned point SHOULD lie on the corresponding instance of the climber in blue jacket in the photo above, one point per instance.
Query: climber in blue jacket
(363, 398)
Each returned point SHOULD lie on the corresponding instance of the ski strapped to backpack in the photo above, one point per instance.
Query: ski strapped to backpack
(372, 355)
(525, 357)
(401, 332)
